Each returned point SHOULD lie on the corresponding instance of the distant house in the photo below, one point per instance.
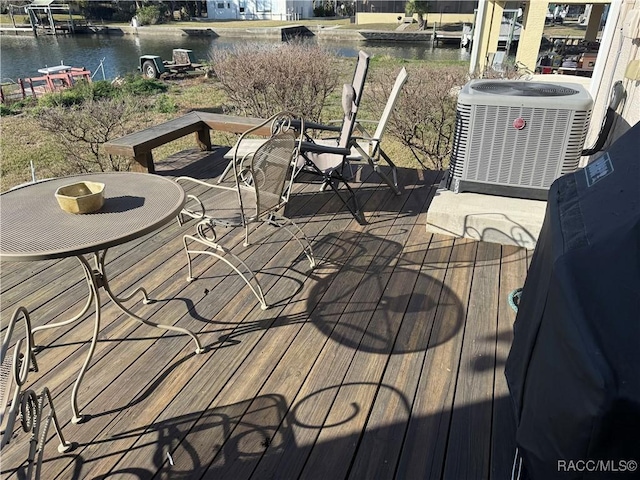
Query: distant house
(259, 9)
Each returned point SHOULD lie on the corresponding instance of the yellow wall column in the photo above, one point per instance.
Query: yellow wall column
(532, 30)
(489, 43)
(594, 22)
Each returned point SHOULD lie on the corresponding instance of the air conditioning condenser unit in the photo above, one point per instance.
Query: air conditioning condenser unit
(514, 138)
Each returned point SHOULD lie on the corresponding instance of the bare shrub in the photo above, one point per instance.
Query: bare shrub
(261, 80)
(424, 116)
(81, 131)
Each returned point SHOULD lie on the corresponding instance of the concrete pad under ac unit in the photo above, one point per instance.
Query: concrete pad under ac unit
(487, 218)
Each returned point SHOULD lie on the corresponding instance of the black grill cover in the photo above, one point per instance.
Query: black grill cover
(574, 366)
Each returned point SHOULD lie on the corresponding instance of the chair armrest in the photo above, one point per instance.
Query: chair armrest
(366, 139)
(360, 128)
(316, 126)
(187, 180)
(317, 148)
(194, 206)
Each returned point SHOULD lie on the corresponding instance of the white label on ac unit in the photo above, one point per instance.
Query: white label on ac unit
(599, 169)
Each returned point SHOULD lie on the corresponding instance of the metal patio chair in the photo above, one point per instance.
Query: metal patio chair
(262, 185)
(25, 405)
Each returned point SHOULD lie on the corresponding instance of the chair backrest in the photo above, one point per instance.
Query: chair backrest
(360, 74)
(271, 168)
(391, 103)
(349, 109)
(351, 96)
(14, 368)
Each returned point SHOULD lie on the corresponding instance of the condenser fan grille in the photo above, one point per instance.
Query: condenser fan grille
(524, 89)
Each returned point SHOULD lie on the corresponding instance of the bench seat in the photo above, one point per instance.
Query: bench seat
(139, 145)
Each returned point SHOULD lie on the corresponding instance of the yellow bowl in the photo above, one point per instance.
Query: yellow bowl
(81, 197)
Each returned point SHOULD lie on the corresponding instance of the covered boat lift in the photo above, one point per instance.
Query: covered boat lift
(47, 7)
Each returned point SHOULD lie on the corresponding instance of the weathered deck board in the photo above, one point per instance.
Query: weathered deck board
(470, 430)
(385, 361)
(283, 383)
(381, 443)
(423, 453)
(398, 269)
(345, 331)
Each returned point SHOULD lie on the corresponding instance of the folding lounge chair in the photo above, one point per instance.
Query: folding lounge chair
(261, 191)
(330, 159)
(368, 147)
(365, 146)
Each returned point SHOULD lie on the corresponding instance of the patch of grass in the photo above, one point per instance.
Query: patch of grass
(19, 18)
(103, 89)
(21, 141)
(18, 107)
(65, 98)
(165, 104)
(197, 94)
(389, 61)
(138, 85)
(244, 24)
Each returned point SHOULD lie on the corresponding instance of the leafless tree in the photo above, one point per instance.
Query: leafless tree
(83, 129)
(262, 80)
(424, 117)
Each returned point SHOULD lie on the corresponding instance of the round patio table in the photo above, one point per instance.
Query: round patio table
(34, 227)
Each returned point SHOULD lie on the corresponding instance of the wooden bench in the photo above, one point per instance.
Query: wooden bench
(139, 145)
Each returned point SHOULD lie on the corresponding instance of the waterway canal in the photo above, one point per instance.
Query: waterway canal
(22, 56)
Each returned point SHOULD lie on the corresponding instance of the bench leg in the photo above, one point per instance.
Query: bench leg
(203, 137)
(143, 163)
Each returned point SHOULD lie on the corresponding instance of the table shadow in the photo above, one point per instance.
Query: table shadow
(122, 203)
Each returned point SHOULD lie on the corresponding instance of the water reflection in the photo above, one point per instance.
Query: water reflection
(22, 56)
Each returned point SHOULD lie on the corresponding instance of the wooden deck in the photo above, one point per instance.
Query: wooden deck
(386, 361)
